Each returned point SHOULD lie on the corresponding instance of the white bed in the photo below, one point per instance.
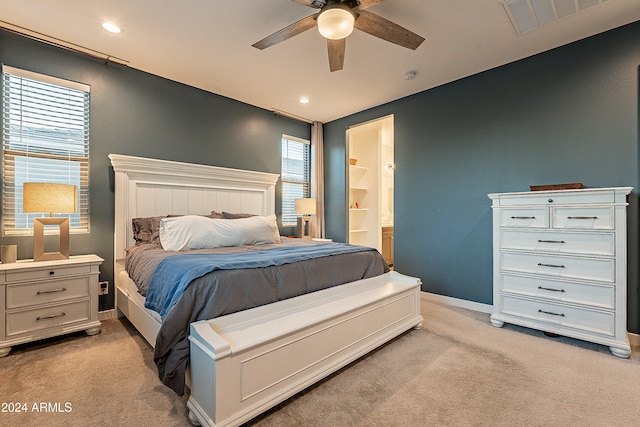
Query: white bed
(147, 187)
(244, 363)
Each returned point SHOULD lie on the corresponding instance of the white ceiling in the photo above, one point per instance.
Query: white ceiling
(207, 44)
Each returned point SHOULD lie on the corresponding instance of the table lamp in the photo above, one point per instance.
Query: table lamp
(306, 207)
(52, 198)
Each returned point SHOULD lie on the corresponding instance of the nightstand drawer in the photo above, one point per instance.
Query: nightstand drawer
(27, 321)
(45, 292)
(47, 273)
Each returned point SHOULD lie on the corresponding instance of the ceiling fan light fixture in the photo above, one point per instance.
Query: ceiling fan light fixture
(336, 21)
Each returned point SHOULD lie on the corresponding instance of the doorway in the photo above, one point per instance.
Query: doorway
(370, 185)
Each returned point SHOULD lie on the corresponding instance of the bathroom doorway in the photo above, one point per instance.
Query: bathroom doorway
(370, 185)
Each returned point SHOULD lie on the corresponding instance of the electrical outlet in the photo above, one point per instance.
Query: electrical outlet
(104, 288)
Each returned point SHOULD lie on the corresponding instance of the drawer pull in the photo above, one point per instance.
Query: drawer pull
(550, 265)
(51, 273)
(551, 289)
(582, 217)
(53, 316)
(523, 217)
(551, 313)
(53, 291)
(551, 241)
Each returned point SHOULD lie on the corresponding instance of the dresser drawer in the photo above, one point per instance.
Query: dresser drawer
(525, 218)
(27, 321)
(583, 218)
(590, 321)
(578, 293)
(558, 198)
(559, 242)
(45, 292)
(47, 273)
(601, 270)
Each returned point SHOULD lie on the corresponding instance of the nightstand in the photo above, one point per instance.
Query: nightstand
(44, 299)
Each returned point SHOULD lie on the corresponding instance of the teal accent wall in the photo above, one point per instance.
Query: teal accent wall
(566, 115)
(139, 114)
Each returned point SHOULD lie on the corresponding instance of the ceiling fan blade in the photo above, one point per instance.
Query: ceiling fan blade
(317, 4)
(365, 4)
(336, 50)
(383, 28)
(287, 32)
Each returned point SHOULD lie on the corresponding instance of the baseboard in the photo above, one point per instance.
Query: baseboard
(106, 314)
(456, 302)
(634, 339)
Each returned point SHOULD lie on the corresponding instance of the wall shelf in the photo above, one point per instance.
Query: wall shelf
(358, 168)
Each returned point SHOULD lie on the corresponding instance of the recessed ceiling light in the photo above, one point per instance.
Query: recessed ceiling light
(304, 100)
(112, 28)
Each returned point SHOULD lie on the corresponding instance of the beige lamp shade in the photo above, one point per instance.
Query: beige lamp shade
(47, 197)
(305, 206)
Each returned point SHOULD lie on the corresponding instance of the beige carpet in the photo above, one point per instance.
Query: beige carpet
(458, 370)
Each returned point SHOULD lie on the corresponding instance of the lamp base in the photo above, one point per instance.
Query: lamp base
(304, 227)
(38, 239)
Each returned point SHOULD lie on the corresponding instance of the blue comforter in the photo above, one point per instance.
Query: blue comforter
(174, 273)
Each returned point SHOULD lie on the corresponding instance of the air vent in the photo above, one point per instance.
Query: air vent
(528, 15)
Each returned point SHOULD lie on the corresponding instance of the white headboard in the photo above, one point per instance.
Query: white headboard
(150, 187)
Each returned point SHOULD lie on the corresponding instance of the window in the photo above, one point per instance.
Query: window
(45, 138)
(295, 176)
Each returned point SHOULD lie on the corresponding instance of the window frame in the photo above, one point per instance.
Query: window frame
(61, 142)
(289, 218)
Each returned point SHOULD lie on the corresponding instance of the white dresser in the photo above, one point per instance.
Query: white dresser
(44, 299)
(560, 263)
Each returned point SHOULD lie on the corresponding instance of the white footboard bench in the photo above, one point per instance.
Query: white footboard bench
(249, 361)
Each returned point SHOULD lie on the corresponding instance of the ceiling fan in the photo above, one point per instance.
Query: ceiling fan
(336, 20)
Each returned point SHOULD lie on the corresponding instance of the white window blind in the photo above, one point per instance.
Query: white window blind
(295, 175)
(45, 137)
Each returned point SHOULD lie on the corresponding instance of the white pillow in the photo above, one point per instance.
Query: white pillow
(199, 232)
